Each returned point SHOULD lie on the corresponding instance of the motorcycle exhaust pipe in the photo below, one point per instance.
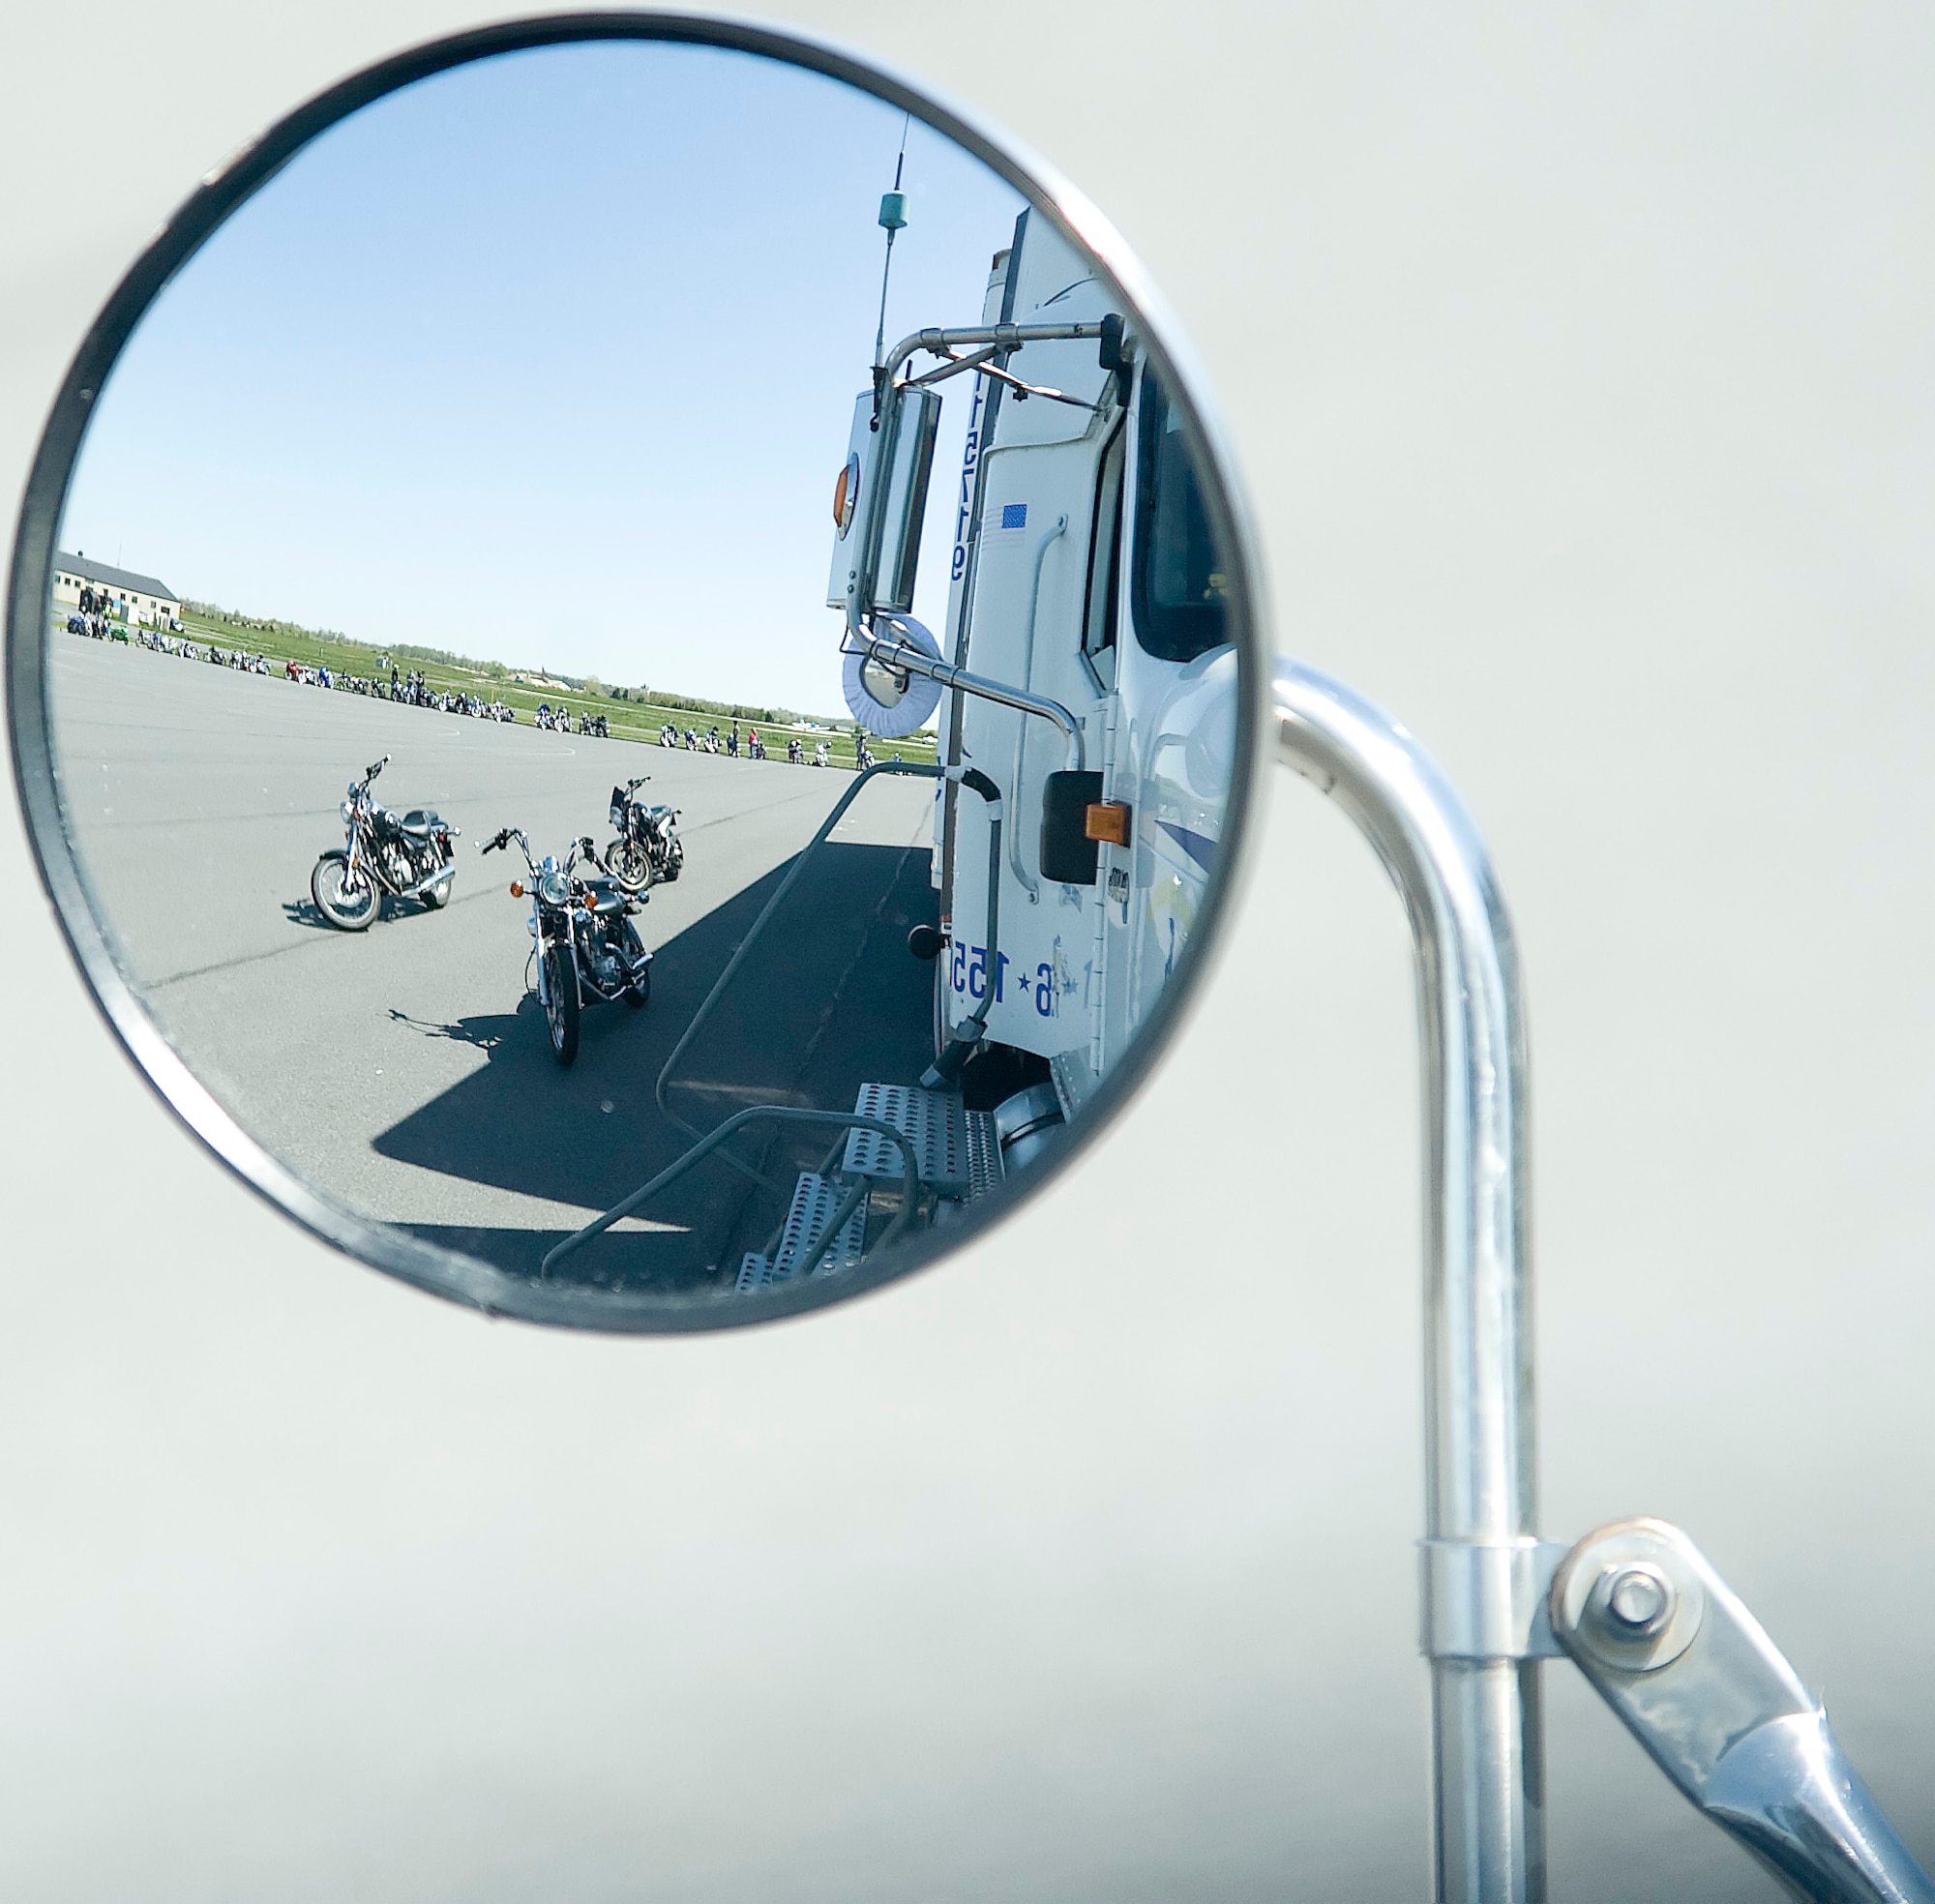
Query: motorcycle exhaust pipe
(445, 872)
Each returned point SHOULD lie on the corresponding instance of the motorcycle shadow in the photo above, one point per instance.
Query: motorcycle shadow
(304, 913)
(842, 1002)
(486, 1033)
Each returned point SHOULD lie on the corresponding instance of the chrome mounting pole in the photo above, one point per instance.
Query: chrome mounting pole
(1483, 1568)
(1635, 1605)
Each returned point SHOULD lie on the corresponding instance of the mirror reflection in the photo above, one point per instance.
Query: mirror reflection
(639, 671)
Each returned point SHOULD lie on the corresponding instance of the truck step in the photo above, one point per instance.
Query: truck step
(955, 1149)
(815, 1199)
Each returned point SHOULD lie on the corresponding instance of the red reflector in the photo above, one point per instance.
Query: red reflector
(1107, 821)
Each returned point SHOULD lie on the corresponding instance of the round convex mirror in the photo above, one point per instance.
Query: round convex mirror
(634, 672)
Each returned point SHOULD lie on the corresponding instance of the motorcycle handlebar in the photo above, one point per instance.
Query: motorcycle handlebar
(370, 773)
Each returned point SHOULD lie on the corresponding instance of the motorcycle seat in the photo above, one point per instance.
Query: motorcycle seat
(605, 896)
(419, 820)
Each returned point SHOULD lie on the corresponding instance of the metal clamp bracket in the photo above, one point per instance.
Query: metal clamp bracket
(1714, 1701)
(1487, 1602)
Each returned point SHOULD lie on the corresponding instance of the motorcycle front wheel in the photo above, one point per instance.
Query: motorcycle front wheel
(639, 989)
(630, 864)
(348, 902)
(560, 1003)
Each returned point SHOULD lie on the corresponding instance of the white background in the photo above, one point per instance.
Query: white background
(1578, 363)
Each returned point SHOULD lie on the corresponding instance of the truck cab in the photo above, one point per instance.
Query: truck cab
(1083, 573)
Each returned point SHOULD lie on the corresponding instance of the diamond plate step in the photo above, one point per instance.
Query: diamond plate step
(984, 1168)
(815, 1199)
(955, 1148)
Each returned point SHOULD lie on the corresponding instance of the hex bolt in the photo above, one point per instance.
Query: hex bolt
(1638, 1599)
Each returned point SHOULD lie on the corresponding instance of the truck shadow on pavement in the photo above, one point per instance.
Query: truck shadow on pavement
(829, 999)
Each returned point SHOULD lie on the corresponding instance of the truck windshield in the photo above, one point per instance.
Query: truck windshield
(1177, 586)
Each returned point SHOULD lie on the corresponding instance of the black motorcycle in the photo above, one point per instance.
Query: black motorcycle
(587, 950)
(409, 855)
(647, 852)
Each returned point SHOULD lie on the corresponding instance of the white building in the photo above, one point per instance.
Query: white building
(117, 592)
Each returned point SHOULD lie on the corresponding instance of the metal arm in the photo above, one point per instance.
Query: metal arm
(1635, 1605)
(1698, 1682)
(1002, 338)
(911, 660)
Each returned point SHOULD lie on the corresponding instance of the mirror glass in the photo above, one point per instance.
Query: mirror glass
(466, 767)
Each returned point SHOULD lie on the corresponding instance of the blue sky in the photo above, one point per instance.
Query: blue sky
(550, 359)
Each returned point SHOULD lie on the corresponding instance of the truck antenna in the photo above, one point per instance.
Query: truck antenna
(893, 217)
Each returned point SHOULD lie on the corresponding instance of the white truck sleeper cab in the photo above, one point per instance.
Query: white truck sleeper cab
(1082, 575)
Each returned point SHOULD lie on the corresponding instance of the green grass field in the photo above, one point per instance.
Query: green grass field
(632, 719)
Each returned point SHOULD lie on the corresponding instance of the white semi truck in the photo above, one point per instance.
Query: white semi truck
(1085, 667)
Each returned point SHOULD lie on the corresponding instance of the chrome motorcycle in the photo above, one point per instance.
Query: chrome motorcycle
(586, 949)
(647, 852)
(409, 855)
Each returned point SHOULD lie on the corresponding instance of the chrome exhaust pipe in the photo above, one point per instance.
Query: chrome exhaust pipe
(447, 871)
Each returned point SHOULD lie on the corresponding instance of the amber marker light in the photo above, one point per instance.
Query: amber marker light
(517, 889)
(1107, 821)
(846, 494)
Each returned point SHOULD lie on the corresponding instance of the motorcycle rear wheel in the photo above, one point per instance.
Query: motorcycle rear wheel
(560, 1003)
(347, 908)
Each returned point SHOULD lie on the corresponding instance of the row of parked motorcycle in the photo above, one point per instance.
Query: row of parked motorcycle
(585, 948)
(557, 719)
(694, 742)
(410, 690)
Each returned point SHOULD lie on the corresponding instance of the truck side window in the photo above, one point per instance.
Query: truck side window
(1105, 562)
(1176, 587)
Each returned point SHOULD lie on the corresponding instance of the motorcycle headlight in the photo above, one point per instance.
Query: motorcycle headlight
(553, 888)
(347, 808)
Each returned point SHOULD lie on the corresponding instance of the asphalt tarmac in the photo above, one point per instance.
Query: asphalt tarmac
(406, 1070)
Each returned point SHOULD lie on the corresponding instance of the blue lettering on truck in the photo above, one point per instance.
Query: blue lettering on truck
(971, 457)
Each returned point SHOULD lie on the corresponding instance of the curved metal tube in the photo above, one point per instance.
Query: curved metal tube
(897, 654)
(1002, 337)
(1479, 1476)
(1027, 879)
(949, 1061)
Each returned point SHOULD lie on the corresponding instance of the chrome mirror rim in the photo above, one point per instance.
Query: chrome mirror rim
(433, 1266)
